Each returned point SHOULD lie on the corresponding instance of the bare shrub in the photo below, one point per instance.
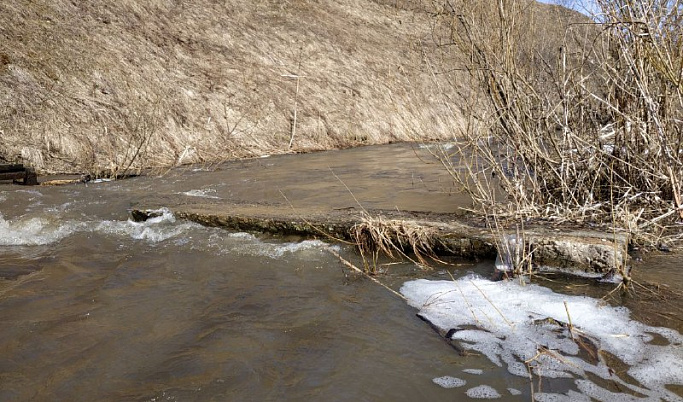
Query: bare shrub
(589, 131)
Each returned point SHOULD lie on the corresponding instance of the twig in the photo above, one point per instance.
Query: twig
(365, 274)
(570, 327)
(493, 305)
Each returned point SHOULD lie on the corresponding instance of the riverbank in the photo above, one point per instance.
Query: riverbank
(161, 85)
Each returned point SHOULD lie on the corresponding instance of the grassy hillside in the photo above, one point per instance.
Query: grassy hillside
(100, 85)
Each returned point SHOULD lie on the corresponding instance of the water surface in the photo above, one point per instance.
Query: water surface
(96, 307)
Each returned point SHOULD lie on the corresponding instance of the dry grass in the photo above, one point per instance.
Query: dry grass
(100, 86)
(587, 132)
(394, 238)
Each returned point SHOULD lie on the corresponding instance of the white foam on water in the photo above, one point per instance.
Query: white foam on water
(34, 193)
(514, 391)
(156, 229)
(43, 230)
(473, 371)
(243, 236)
(449, 382)
(247, 244)
(483, 392)
(595, 392)
(35, 231)
(275, 251)
(571, 396)
(315, 246)
(507, 323)
(206, 193)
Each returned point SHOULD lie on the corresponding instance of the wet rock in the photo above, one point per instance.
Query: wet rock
(143, 215)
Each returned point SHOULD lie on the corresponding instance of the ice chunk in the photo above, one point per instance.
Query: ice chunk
(514, 391)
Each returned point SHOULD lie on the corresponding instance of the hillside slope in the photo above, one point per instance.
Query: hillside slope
(100, 85)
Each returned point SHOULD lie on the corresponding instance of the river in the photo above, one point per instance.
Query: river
(94, 306)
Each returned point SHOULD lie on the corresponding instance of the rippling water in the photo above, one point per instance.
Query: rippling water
(115, 310)
(96, 307)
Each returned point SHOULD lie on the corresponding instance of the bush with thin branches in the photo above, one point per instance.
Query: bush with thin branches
(589, 131)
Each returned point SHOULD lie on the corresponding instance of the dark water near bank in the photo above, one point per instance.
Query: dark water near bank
(95, 307)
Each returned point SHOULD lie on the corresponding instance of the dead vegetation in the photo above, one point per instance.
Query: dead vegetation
(568, 118)
(97, 86)
(394, 238)
(587, 132)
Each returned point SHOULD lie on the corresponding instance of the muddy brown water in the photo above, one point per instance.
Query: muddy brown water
(96, 307)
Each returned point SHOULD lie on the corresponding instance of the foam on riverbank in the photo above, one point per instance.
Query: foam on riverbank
(512, 324)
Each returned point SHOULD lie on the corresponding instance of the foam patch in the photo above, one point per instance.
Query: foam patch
(510, 323)
(483, 392)
(449, 382)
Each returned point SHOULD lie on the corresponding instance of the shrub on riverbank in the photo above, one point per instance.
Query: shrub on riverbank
(591, 131)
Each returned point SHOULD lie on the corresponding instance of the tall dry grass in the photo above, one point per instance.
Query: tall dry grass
(113, 86)
(590, 131)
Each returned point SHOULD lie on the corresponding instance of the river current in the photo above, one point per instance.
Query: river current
(94, 306)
